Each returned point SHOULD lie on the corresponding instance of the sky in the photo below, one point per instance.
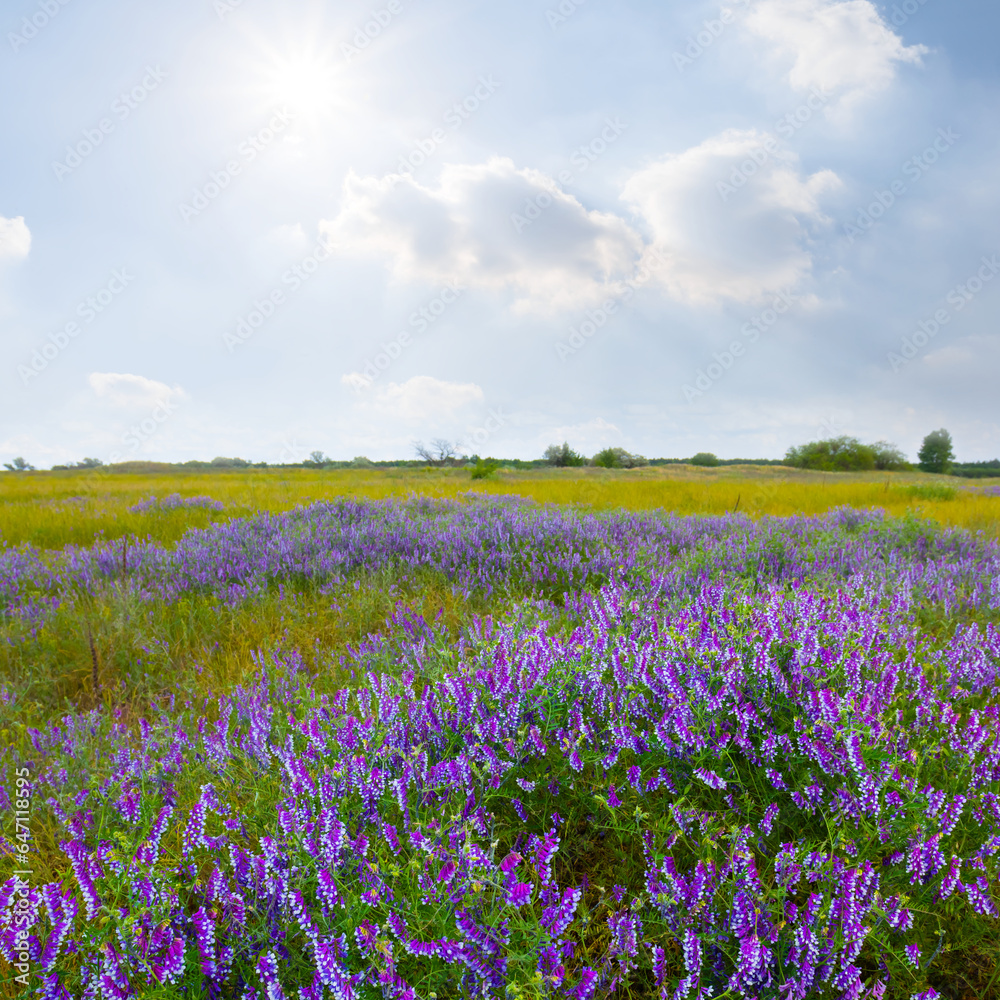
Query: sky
(259, 229)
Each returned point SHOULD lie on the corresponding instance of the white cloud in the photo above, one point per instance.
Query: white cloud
(15, 238)
(733, 216)
(490, 226)
(841, 47)
(419, 399)
(133, 391)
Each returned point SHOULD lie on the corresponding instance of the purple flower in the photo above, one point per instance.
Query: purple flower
(519, 895)
(555, 919)
(710, 778)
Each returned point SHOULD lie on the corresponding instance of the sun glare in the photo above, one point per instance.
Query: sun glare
(306, 83)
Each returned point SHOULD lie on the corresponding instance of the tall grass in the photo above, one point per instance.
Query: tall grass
(54, 509)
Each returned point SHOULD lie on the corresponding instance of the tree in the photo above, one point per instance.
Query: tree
(87, 463)
(617, 458)
(440, 451)
(19, 465)
(317, 459)
(888, 458)
(840, 454)
(706, 459)
(936, 453)
(562, 456)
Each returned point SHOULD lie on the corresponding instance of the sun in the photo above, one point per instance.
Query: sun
(304, 82)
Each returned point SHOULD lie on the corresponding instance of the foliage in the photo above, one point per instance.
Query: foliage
(706, 459)
(484, 469)
(562, 456)
(19, 465)
(889, 458)
(617, 458)
(840, 454)
(977, 470)
(936, 453)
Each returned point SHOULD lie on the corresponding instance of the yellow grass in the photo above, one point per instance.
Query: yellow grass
(39, 507)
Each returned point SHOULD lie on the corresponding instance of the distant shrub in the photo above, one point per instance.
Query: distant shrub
(840, 454)
(706, 459)
(617, 458)
(229, 463)
(483, 470)
(562, 456)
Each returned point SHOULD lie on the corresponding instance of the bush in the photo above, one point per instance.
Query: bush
(617, 458)
(483, 470)
(562, 456)
(706, 459)
(888, 458)
(840, 454)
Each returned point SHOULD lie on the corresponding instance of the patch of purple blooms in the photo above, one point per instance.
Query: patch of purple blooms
(742, 705)
(174, 501)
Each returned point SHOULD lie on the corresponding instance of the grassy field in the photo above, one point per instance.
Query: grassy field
(53, 509)
(114, 655)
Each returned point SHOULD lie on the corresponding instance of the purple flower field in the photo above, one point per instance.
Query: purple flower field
(699, 757)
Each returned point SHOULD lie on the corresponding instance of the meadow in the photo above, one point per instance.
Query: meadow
(564, 733)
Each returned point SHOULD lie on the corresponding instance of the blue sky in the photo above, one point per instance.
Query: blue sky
(258, 229)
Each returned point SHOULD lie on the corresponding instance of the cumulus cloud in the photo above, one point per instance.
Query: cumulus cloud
(840, 47)
(133, 391)
(419, 399)
(733, 217)
(489, 226)
(15, 238)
